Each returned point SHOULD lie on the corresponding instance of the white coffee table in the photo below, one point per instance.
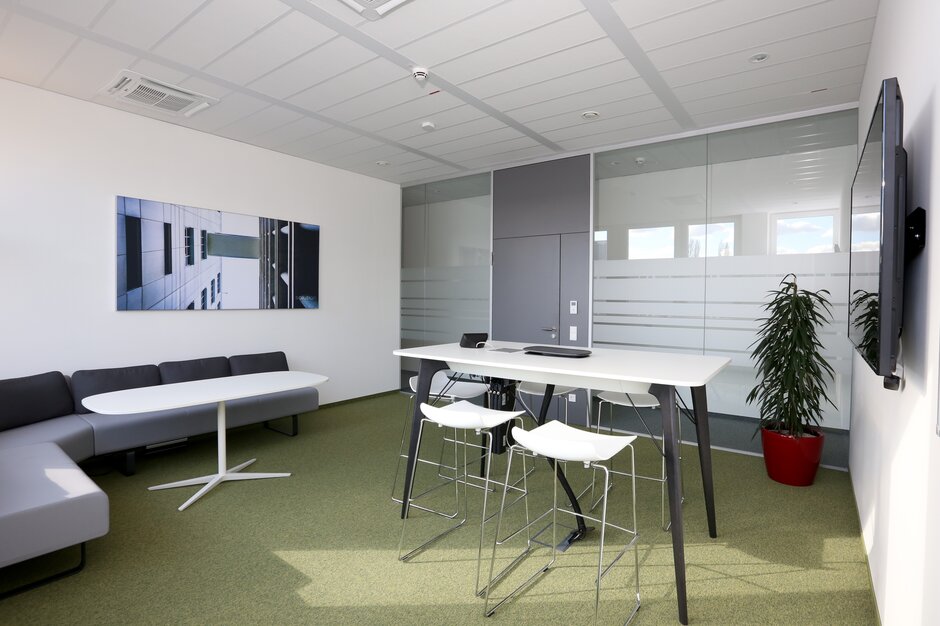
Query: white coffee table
(194, 393)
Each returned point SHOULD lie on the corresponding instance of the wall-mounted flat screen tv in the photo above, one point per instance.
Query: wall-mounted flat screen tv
(876, 261)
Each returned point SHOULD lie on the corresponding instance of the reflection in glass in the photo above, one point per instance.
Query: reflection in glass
(805, 235)
(651, 243)
(711, 239)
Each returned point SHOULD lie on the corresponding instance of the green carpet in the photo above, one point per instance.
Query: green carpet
(321, 546)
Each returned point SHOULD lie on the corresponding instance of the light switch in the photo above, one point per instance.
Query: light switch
(572, 333)
(573, 307)
(572, 397)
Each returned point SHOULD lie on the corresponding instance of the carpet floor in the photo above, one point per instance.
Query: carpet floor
(321, 546)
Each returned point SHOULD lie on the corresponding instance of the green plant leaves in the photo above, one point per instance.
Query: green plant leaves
(791, 371)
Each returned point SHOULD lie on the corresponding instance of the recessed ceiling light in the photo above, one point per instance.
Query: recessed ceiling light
(428, 125)
(590, 115)
(760, 57)
(381, 163)
(640, 161)
(615, 162)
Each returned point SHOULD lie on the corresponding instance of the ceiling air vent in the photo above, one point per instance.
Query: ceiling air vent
(373, 9)
(141, 91)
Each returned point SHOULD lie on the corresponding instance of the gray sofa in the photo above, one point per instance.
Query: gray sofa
(43, 426)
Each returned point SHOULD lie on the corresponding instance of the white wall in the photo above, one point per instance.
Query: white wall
(895, 451)
(63, 161)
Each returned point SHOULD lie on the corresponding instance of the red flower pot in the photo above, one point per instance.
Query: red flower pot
(792, 460)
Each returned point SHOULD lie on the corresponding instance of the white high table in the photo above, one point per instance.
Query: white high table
(603, 370)
(209, 391)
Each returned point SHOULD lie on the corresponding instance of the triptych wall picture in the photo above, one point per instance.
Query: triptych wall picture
(177, 257)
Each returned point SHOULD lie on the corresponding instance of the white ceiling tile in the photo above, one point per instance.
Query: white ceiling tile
(378, 152)
(344, 148)
(466, 142)
(284, 40)
(158, 72)
(74, 12)
(566, 61)
(29, 50)
(232, 107)
(142, 23)
(754, 37)
(576, 82)
(451, 133)
(87, 70)
(762, 75)
(329, 137)
(710, 18)
(795, 49)
(216, 29)
(462, 154)
(434, 172)
(401, 91)
(339, 9)
(332, 58)
(247, 128)
(798, 102)
(805, 85)
(611, 110)
(608, 125)
(578, 102)
(205, 87)
(563, 34)
(503, 158)
(486, 28)
(413, 20)
(634, 13)
(371, 78)
(650, 131)
(304, 127)
(411, 128)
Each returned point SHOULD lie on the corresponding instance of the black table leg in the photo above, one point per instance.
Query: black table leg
(425, 374)
(700, 408)
(581, 530)
(666, 394)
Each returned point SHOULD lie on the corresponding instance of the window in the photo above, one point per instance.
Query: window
(167, 248)
(191, 306)
(651, 243)
(204, 299)
(711, 239)
(218, 283)
(188, 244)
(204, 244)
(212, 291)
(804, 234)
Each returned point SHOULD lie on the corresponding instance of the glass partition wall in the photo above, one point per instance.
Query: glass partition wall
(689, 235)
(445, 262)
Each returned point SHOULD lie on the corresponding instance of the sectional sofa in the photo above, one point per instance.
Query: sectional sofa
(47, 503)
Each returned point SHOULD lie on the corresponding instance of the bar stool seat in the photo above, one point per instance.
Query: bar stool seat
(560, 442)
(463, 416)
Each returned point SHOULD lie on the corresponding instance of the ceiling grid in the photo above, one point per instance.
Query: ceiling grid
(508, 80)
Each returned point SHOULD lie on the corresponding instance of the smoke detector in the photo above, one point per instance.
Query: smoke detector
(373, 9)
(133, 88)
(420, 74)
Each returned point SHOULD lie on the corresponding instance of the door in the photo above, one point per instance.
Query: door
(526, 292)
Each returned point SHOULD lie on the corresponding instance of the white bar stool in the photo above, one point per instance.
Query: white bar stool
(560, 442)
(461, 416)
(538, 390)
(637, 397)
(444, 387)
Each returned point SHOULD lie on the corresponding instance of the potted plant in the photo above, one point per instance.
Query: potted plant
(792, 376)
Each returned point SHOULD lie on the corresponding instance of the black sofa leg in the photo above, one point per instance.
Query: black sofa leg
(294, 429)
(47, 579)
(127, 462)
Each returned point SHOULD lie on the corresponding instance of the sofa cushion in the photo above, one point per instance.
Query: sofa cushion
(90, 382)
(33, 399)
(69, 432)
(194, 369)
(48, 503)
(256, 363)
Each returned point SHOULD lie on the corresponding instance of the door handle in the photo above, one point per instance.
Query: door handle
(549, 329)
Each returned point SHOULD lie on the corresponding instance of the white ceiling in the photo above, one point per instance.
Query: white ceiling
(508, 81)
